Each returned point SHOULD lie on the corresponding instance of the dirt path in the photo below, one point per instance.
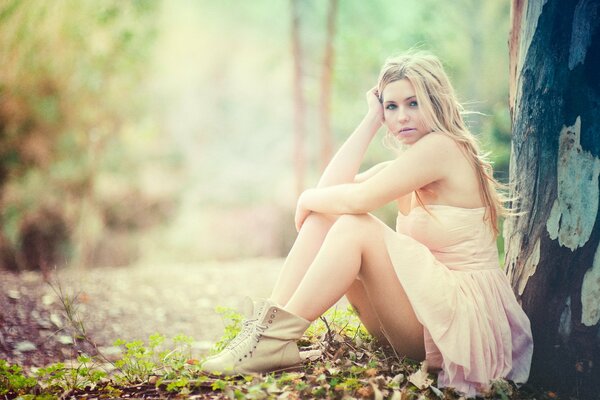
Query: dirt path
(128, 303)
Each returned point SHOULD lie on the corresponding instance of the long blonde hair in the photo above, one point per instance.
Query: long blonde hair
(443, 113)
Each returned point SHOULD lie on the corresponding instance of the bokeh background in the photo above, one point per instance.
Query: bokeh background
(138, 131)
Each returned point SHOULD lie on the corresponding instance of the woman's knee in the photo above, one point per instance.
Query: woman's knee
(353, 222)
(318, 220)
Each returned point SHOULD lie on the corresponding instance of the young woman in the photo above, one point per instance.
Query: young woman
(433, 288)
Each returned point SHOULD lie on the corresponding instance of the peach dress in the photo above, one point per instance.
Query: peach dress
(475, 331)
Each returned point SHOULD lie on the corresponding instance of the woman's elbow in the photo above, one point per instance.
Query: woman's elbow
(359, 204)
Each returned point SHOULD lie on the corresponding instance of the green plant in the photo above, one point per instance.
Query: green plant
(13, 380)
(139, 360)
(339, 322)
(233, 323)
(59, 377)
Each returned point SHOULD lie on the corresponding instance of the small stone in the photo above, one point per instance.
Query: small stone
(56, 320)
(25, 346)
(65, 339)
(43, 324)
(109, 351)
(14, 294)
(48, 299)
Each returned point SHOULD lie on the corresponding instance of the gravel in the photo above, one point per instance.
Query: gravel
(126, 303)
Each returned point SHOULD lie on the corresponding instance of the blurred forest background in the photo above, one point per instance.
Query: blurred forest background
(182, 130)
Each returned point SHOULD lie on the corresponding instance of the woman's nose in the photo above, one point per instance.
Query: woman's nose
(402, 116)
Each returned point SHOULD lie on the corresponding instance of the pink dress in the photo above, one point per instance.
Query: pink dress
(475, 331)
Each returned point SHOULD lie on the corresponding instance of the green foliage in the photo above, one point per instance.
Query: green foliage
(139, 360)
(352, 365)
(233, 323)
(70, 78)
(12, 380)
(61, 378)
(345, 322)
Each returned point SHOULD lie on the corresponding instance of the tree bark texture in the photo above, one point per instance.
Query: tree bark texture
(552, 246)
(299, 156)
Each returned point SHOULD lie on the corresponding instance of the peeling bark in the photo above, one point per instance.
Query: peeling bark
(574, 211)
(590, 293)
(552, 244)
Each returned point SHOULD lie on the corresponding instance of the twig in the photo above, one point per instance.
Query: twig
(329, 334)
(70, 308)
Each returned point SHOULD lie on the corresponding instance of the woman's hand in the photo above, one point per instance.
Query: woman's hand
(301, 212)
(374, 103)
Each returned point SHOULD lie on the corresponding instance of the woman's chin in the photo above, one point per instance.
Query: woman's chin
(406, 138)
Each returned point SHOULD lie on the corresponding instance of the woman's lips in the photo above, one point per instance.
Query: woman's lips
(406, 131)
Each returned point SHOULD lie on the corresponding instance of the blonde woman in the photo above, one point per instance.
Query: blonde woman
(433, 288)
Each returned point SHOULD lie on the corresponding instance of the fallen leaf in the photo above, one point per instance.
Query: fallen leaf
(377, 395)
(396, 395)
(421, 378)
(365, 392)
(437, 391)
(398, 379)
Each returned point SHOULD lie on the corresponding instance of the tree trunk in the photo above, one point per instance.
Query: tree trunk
(299, 102)
(326, 82)
(552, 247)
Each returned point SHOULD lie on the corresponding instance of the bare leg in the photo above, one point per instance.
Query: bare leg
(307, 244)
(354, 248)
(359, 299)
(309, 241)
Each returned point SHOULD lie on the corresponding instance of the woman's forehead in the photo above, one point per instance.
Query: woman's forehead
(399, 90)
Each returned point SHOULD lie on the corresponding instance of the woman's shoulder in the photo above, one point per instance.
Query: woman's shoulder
(439, 144)
(440, 137)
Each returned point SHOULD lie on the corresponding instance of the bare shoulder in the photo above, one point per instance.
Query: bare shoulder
(438, 144)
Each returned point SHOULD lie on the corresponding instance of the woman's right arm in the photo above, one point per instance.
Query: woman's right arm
(363, 176)
(403, 203)
(345, 164)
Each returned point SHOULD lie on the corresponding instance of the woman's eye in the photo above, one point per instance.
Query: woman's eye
(390, 107)
(413, 104)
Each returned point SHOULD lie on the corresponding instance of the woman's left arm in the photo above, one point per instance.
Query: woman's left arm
(424, 162)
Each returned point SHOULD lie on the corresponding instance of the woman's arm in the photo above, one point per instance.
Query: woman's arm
(345, 164)
(424, 162)
(363, 176)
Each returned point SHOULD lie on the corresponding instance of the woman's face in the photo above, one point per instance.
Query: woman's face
(401, 112)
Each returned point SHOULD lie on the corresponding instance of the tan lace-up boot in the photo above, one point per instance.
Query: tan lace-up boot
(265, 345)
(253, 309)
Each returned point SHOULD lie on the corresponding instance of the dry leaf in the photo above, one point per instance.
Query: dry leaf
(396, 395)
(365, 392)
(421, 378)
(377, 395)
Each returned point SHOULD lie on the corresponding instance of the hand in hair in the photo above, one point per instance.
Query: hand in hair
(374, 103)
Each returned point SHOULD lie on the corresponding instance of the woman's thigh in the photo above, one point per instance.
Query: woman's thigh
(384, 291)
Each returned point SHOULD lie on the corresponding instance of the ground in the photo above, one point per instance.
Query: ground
(127, 303)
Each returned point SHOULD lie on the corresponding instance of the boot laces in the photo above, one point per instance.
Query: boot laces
(248, 342)
(247, 326)
(244, 333)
